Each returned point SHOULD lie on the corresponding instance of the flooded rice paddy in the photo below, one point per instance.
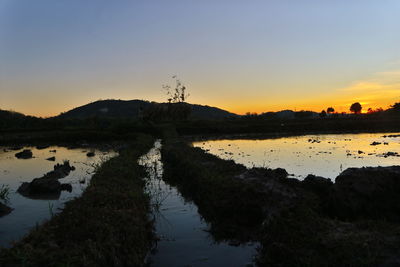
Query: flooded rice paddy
(184, 239)
(29, 212)
(322, 155)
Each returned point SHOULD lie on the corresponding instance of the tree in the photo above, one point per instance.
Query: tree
(322, 114)
(175, 109)
(356, 108)
(178, 94)
(396, 106)
(330, 110)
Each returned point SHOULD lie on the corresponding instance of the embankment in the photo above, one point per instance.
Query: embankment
(107, 226)
(297, 223)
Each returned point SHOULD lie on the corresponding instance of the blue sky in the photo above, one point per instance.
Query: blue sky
(238, 55)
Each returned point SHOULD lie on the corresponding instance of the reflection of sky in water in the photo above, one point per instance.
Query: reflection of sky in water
(28, 212)
(327, 157)
(184, 240)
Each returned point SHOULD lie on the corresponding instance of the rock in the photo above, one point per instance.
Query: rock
(278, 191)
(51, 159)
(60, 171)
(90, 154)
(375, 143)
(48, 184)
(53, 151)
(25, 154)
(66, 187)
(4, 209)
(391, 154)
(16, 148)
(371, 193)
(317, 182)
(43, 185)
(42, 147)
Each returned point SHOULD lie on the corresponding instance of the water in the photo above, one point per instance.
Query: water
(184, 240)
(323, 155)
(28, 212)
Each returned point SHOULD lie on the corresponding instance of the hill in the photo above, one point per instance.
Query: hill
(131, 109)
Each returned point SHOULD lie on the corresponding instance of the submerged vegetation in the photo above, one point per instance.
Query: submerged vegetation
(107, 226)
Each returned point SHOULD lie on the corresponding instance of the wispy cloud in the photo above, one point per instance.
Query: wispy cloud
(380, 86)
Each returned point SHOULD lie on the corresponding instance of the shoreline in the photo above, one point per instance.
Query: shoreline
(107, 225)
(311, 222)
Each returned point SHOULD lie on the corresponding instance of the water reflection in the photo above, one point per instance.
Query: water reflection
(28, 212)
(184, 240)
(323, 155)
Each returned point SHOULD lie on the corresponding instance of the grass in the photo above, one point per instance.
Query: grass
(232, 208)
(300, 235)
(107, 226)
(4, 193)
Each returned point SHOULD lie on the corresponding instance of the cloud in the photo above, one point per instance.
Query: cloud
(380, 86)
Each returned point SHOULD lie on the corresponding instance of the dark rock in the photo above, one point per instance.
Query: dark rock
(42, 147)
(48, 186)
(25, 154)
(4, 210)
(66, 187)
(371, 193)
(90, 154)
(375, 143)
(51, 159)
(53, 151)
(60, 171)
(391, 154)
(43, 186)
(16, 148)
(317, 183)
(277, 190)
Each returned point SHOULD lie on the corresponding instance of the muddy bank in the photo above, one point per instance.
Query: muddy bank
(299, 223)
(4, 209)
(48, 184)
(107, 226)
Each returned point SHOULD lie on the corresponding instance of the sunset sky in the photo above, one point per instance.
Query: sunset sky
(238, 55)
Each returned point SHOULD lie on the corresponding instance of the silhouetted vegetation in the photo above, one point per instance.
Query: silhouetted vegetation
(356, 108)
(330, 110)
(293, 220)
(108, 225)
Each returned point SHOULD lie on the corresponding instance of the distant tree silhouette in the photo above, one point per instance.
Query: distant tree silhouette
(330, 110)
(178, 94)
(175, 109)
(322, 114)
(396, 106)
(356, 108)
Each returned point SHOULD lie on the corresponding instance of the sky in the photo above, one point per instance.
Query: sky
(242, 56)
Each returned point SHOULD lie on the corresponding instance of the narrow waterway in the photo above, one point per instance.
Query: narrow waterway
(184, 239)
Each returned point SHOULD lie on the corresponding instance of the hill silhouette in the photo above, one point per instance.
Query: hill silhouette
(132, 108)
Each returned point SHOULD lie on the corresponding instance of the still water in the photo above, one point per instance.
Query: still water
(28, 212)
(184, 240)
(323, 155)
